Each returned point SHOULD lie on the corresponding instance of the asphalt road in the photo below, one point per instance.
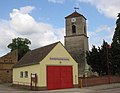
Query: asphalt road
(115, 90)
(6, 88)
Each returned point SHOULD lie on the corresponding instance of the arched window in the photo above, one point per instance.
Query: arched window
(73, 29)
(84, 29)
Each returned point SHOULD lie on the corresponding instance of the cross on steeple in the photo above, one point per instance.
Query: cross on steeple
(76, 8)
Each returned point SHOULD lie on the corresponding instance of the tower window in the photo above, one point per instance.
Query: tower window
(84, 29)
(73, 29)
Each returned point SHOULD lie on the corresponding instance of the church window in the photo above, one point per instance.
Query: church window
(73, 29)
(85, 29)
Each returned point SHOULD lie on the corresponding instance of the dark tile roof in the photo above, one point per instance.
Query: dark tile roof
(35, 56)
(74, 14)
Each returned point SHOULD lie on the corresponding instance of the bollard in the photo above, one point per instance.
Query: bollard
(81, 83)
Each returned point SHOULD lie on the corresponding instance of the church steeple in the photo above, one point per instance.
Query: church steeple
(74, 14)
(76, 40)
(75, 24)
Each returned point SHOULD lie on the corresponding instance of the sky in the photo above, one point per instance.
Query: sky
(43, 21)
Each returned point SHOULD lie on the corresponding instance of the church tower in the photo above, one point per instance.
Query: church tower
(76, 40)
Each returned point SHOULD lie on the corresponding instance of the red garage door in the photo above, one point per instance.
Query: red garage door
(59, 77)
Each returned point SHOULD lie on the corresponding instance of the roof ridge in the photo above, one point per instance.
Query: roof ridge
(74, 14)
(45, 46)
(35, 56)
(9, 53)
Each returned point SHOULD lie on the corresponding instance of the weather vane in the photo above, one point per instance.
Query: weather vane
(76, 8)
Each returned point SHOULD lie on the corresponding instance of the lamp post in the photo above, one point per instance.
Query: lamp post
(108, 65)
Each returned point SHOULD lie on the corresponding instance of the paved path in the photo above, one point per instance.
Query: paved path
(112, 88)
(104, 87)
(115, 90)
(7, 88)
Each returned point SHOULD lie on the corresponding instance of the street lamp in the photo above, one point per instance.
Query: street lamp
(108, 47)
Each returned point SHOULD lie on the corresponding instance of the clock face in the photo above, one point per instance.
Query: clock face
(73, 19)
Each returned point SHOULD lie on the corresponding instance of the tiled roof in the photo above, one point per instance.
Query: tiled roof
(35, 56)
(74, 14)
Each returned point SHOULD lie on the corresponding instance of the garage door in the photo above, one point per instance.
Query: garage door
(59, 77)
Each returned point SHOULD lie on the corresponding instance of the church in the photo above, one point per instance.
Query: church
(76, 40)
(56, 66)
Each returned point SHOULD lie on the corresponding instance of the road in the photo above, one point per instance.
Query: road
(97, 89)
(115, 90)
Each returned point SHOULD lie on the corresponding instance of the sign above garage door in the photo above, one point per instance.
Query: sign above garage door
(58, 58)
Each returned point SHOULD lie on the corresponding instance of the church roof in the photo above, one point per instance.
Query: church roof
(35, 56)
(74, 14)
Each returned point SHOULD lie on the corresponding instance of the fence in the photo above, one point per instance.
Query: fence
(91, 81)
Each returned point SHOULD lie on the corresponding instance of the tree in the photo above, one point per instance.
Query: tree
(21, 44)
(93, 59)
(116, 48)
(98, 59)
(107, 58)
(105, 53)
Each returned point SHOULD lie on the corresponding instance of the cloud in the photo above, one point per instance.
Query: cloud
(26, 9)
(22, 24)
(109, 8)
(56, 1)
(103, 32)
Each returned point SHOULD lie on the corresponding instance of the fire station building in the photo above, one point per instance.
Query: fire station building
(48, 67)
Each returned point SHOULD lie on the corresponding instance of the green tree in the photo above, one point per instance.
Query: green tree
(93, 59)
(98, 58)
(116, 48)
(105, 56)
(21, 44)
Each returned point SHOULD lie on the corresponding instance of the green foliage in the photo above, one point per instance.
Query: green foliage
(115, 59)
(21, 44)
(102, 58)
(116, 36)
(97, 59)
(93, 60)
